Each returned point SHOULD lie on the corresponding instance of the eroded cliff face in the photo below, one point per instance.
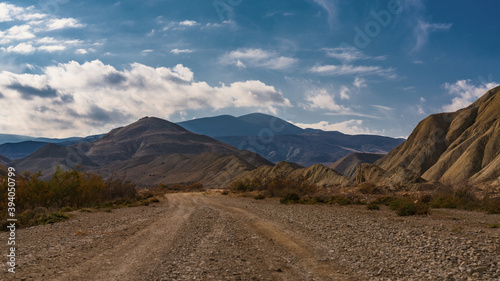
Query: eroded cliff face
(453, 147)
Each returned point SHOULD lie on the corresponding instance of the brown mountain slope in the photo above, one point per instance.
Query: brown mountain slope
(3, 171)
(47, 158)
(212, 169)
(454, 147)
(347, 165)
(149, 138)
(316, 174)
(4, 160)
(399, 177)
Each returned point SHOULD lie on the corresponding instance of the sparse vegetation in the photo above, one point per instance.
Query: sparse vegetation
(46, 201)
(181, 187)
(290, 198)
(369, 188)
(277, 186)
(373, 207)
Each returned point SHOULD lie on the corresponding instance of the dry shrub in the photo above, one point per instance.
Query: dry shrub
(277, 186)
(369, 188)
(64, 191)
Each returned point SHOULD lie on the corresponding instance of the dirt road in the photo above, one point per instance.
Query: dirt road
(195, 236)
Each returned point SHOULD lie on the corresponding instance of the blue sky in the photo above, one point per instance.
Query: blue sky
(75, 68)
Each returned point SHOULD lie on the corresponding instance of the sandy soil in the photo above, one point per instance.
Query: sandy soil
(197, 236)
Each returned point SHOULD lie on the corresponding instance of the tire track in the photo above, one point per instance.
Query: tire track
(295, 245)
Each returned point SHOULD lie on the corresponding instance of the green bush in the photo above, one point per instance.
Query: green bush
(384, 200)
(290, 198)
(373, 206)
(340, 200)
(412, 209)
(462, 197)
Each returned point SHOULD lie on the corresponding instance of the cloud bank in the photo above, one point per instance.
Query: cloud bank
(465, 92)
(81, 99)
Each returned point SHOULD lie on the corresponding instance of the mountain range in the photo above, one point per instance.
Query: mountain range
(18, 150)
(149, 152)
(278, 140)
(273, 138)
(450, 147)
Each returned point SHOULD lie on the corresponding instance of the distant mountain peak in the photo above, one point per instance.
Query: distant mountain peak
(251, 124)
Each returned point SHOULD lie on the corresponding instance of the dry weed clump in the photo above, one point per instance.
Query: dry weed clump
(47, 201)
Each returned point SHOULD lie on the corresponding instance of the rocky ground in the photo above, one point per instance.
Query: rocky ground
(198, 236)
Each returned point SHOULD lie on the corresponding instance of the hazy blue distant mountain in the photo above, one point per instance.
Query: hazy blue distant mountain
(80, 140)
(20, 150)
(312, 148)
(275, 124)
(223, 125)
(247, 125)
(278, 140)
(5, 138)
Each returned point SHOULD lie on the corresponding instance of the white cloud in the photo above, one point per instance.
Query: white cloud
(218, 25)
(257, 58)
(81, 51)
(321, 99)
(52, 48)
(465, 93)
(347, 69)
(144, 52)
(181, 25)
(9, 12)
(181, 51)
(423, 29)
(189, 23)
(348, 54)
(344, 93)
(55, 24)
(95, 97)
(330, 7)
(21, 48)
(383, 107)
(352, 127)
(25, 26)
(359, 82)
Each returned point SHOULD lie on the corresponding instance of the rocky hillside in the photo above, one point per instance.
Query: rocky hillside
(149, 138)
(347, 165)
(316, 174)
(454, 147)
(47, 158)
